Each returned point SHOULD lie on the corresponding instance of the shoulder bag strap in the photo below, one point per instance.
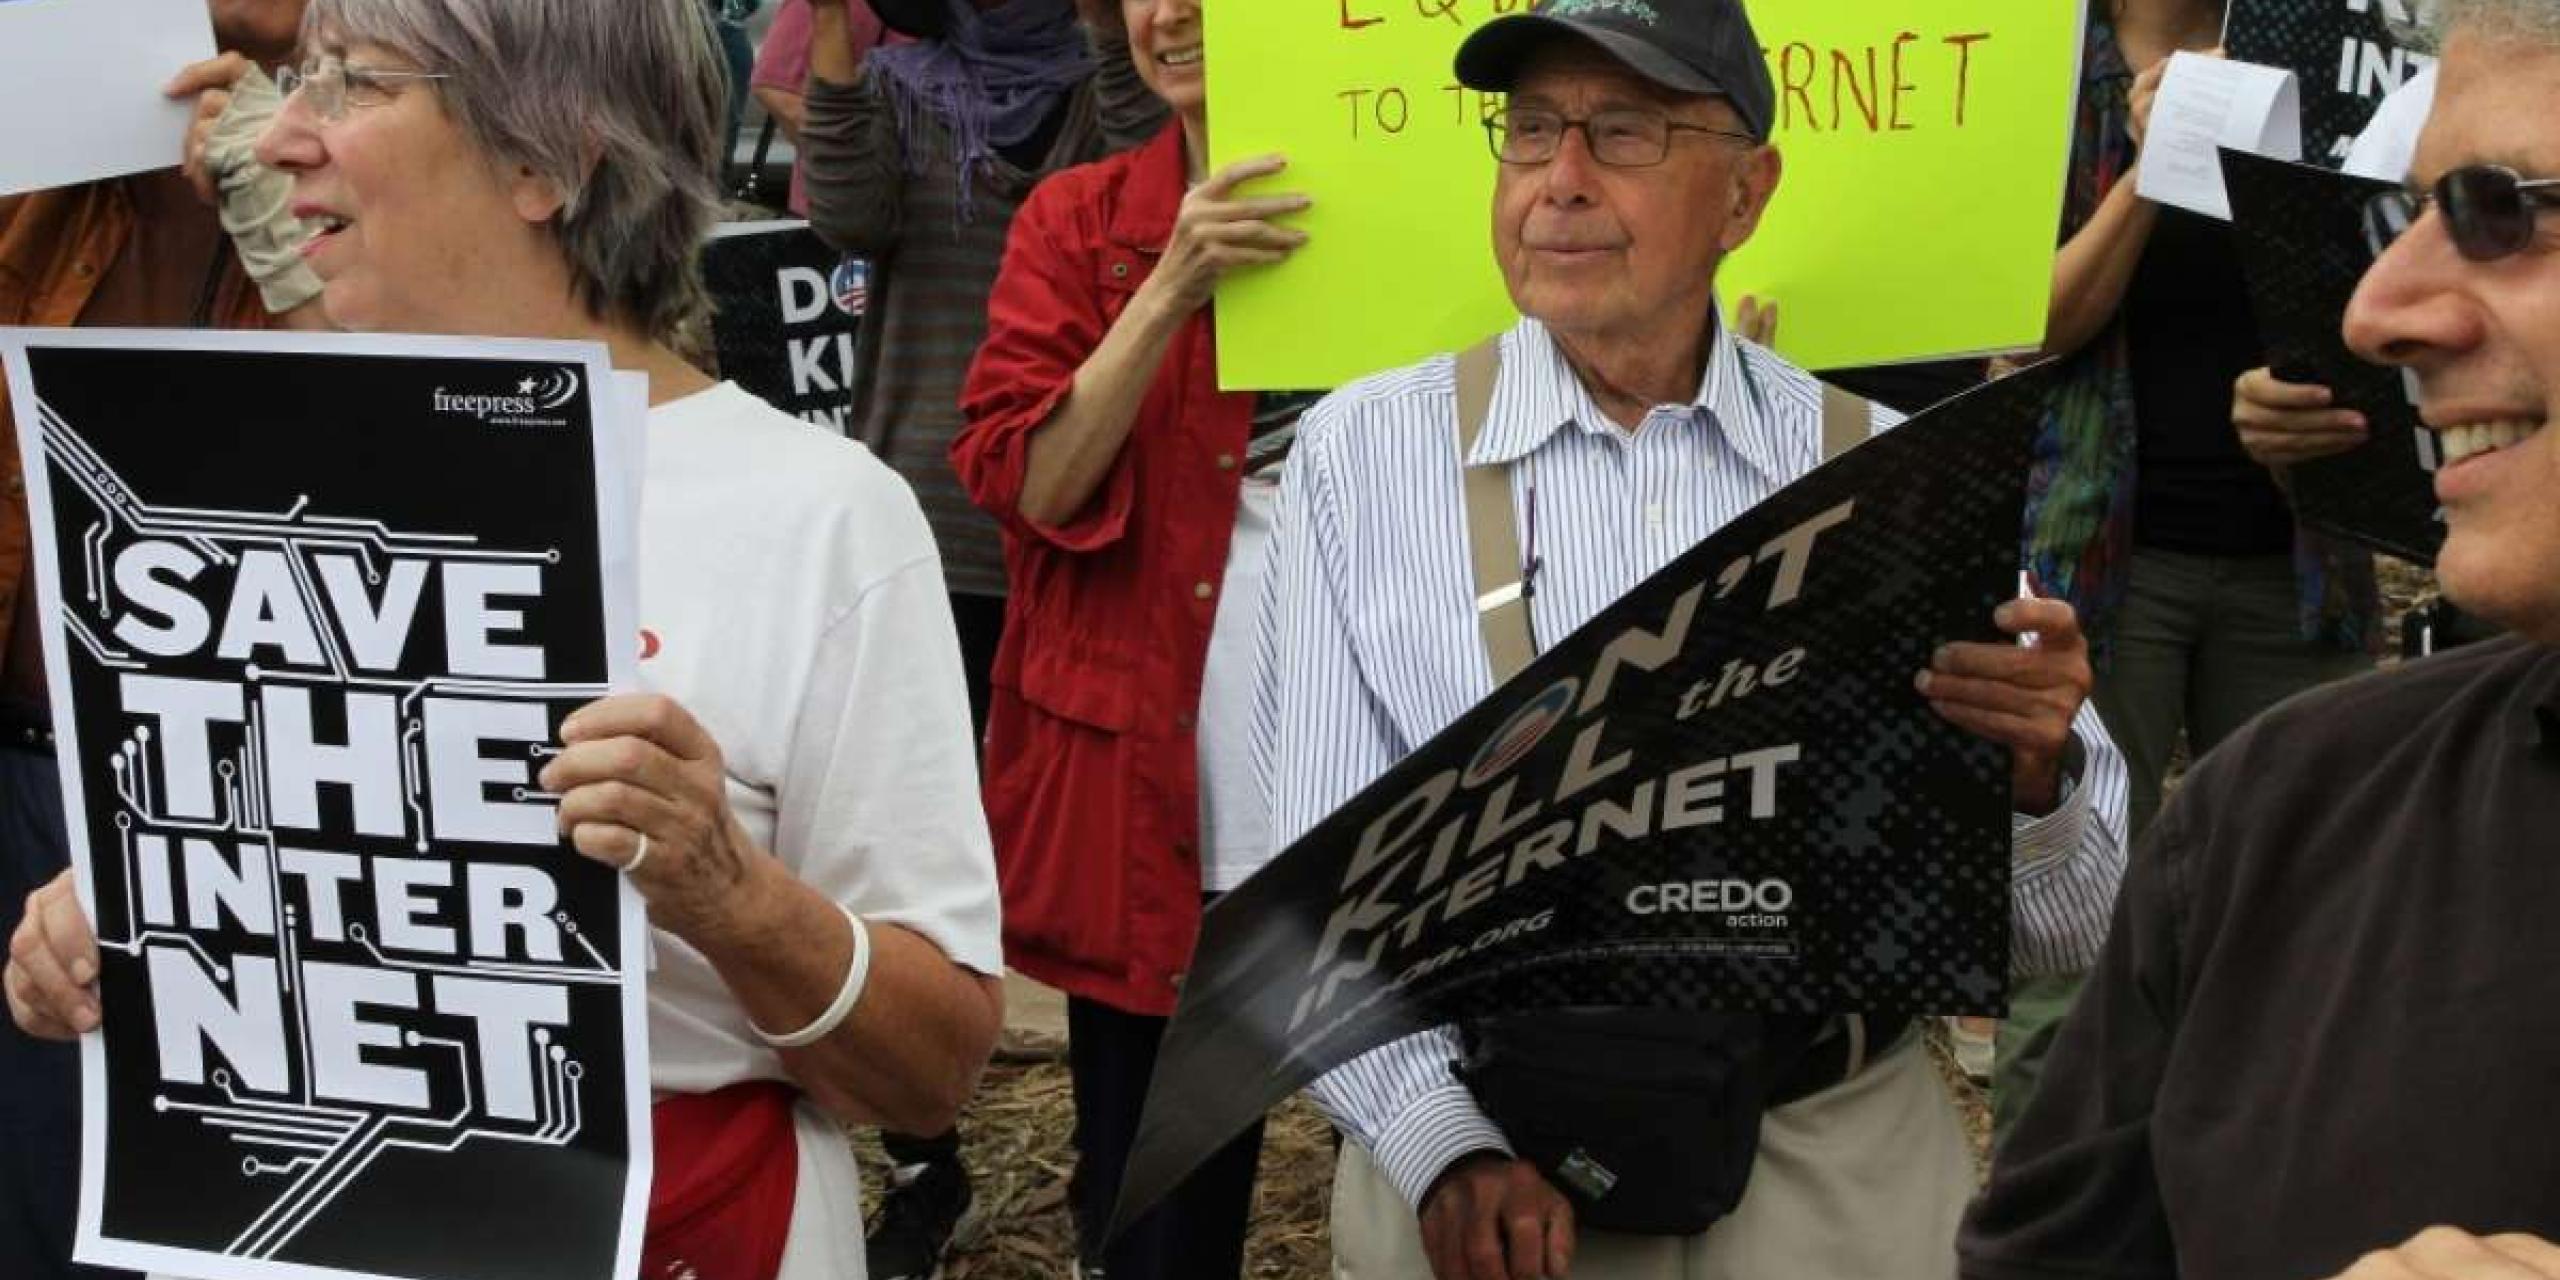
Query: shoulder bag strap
(1847, 421)
(1493, 530)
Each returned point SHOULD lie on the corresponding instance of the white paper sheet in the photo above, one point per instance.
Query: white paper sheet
(2206, 104)
(80, 85)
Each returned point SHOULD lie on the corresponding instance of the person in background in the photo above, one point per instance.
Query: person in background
(1132, 496)
(2325, 1020)
(781, 79)
(916, 158)
(737, 60)
(2205, 602)
(209, 244)
(2285, 424)
(824, 928)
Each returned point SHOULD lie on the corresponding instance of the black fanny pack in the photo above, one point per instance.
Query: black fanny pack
(1647, 1120)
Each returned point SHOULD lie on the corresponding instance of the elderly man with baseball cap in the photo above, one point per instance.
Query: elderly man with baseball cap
(1633, 153)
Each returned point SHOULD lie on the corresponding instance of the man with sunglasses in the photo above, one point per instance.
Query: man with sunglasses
(1625, 425)
(2326, 1019)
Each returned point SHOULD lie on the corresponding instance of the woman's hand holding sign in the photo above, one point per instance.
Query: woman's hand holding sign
(2282, 423)
(2139, 100)
(1218, 232)
(642, 789)
(2023, 697)
(1756, 320)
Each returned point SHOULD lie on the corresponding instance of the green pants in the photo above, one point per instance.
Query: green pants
(2037, 1007)
(2202, 645)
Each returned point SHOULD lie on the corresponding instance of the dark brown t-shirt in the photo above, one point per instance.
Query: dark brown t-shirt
(2328, 1016)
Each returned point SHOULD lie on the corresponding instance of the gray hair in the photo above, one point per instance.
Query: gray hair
(618, 104)
(2537, 20)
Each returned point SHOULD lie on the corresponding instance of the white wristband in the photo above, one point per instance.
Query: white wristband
(856, 976)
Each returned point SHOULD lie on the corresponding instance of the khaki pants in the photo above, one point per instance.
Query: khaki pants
(1865, 1181)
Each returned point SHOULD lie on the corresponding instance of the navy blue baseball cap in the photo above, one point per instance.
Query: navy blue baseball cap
(1686, 46)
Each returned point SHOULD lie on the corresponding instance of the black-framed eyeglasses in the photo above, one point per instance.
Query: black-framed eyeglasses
(329, 85)
(1627, 138)
(2489, 210)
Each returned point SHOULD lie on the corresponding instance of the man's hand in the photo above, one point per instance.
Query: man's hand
(1491, 1217)
(2282, 423)
(2023, 697)
(2443, 1253)
(52, 979)
(208, 82)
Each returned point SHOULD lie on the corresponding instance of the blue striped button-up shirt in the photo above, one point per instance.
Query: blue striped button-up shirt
(1370, 643)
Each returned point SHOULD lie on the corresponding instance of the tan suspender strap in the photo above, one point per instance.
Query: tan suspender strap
(1493, 527)
(1847, 421)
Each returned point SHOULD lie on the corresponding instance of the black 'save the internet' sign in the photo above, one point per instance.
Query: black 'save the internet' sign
(364, 1013)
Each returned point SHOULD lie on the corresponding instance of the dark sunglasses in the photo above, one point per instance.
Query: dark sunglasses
(2489, 210)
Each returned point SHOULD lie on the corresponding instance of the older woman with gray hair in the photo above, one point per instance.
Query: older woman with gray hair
(825, 924)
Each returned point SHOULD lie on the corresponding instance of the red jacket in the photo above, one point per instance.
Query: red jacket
(1092, 774)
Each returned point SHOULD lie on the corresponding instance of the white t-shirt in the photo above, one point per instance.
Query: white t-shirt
(2389, 142)
(1235, 838)
(791, 598)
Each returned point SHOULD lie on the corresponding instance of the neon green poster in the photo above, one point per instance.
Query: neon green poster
(1925, 143)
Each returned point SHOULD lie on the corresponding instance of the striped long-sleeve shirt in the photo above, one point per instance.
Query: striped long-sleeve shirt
(1370, 643)
(933, 270)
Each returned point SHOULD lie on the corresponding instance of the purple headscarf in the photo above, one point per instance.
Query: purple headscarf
(990, 81)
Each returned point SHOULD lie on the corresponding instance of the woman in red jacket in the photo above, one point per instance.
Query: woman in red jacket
(1132, 495)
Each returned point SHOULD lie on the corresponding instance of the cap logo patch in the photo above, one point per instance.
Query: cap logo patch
(1634, 9)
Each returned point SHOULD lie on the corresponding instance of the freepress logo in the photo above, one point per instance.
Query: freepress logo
(529, 403)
